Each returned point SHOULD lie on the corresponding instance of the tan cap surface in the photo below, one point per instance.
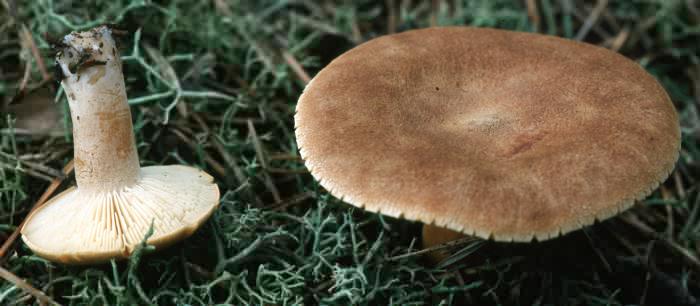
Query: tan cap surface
(492, 133)
(81, 226)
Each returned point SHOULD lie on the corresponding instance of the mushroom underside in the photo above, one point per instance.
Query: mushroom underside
(85, 226)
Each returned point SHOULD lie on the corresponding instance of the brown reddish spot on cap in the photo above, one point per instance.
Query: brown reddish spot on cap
(529, 136)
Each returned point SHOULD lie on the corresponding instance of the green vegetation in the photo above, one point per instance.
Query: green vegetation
(213, 84)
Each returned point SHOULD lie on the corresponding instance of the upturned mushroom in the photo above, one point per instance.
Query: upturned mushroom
(116, 201)
(492, 133)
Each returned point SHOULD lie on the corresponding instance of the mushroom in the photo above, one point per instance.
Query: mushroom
(491, 133)
(116, 201)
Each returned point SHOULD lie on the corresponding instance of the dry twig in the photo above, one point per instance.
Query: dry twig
(533, 14)
(592, 19)
(20, 283)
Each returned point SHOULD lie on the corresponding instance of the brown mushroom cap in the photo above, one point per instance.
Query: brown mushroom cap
(492, 133)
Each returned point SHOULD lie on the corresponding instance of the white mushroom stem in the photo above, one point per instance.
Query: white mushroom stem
(105, 153)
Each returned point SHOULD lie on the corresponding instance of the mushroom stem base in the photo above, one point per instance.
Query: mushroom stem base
(434, 235)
